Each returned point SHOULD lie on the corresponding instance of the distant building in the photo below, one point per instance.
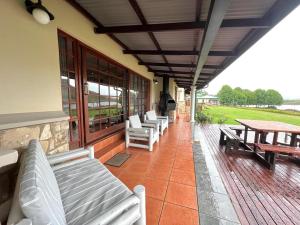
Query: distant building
(208, 99)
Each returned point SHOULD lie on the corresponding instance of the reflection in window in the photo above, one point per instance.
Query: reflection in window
(138, 92)
(68, 87)
(106, 102)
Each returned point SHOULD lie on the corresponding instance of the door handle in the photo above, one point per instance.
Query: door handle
(86, 88)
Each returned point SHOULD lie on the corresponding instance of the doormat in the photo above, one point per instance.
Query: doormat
(118, 159)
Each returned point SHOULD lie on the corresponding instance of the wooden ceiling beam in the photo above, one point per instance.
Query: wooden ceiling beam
(162, 72)
(142, 18)
(173, 76)
(176, 52)
(91, 18)
(179, 65)
(248, 22)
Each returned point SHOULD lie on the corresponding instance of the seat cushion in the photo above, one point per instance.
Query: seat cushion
(151, 115)
(135, 121)
(39, 194)
(88, 190)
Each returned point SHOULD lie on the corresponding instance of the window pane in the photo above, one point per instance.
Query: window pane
(73, 112)
(91, 60)
(67, 62)
(74, 130)
(102, 64)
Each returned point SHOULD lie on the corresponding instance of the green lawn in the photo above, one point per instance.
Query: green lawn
(233, 113)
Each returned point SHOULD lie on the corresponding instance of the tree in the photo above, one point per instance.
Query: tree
(273, 97)
(239, 96)
(250, 97)
(260, 97)
(201, 92)
(226, 95)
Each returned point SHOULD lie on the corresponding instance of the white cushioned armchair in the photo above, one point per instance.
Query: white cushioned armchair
(151, 117)
(72, 188)
(147, 133)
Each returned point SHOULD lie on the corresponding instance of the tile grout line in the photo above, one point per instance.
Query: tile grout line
(167, 190)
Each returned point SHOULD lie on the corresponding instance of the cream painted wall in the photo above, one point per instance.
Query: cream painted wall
(29, 63)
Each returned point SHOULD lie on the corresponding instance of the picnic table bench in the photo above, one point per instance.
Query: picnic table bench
(232, 140)
(238, 129)
(271, 152)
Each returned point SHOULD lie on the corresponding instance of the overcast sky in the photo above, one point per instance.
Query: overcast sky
(273, 62)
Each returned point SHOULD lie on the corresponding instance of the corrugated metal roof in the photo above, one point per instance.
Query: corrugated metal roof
(216, 60)
(152, 58)
(160, 68)
(228, 38)
(208, 71)
(168, 11)
(183, 69)
(121, 12)
(176, 40)
(112, 12)
(248, 8)
(137, 40)
(204, 9)
(180, 58)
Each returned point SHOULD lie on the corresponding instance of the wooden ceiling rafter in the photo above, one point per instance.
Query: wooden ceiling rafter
(258, 23)
(176, 52)
(184, 65)
(144, 22)
(85, 13)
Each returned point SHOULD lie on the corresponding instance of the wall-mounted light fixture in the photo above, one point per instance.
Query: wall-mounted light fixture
(39, 12)
(155, 81)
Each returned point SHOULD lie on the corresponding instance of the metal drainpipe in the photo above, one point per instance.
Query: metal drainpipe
(193, 101)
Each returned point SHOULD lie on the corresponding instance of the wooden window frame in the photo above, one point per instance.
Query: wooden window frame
(84, 140)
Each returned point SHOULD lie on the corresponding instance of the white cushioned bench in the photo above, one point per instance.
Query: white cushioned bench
(64, 189)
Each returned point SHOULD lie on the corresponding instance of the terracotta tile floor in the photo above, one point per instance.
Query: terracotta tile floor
(168, 175)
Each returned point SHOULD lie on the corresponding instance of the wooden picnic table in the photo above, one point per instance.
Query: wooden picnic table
(262, 127)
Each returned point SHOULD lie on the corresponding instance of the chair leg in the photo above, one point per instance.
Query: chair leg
(150, 139)
(126, 134)
(140, 192)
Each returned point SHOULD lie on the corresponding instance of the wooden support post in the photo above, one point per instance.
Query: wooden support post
(275, 138)
(246, 135)
(293, 140)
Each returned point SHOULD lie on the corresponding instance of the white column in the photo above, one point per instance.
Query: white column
(193, 99)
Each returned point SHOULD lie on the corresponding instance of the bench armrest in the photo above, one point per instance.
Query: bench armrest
(151, 125)
(152, 121)
(74, 154)
(138, 130)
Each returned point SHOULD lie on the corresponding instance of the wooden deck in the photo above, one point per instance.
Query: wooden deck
(259, 196)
